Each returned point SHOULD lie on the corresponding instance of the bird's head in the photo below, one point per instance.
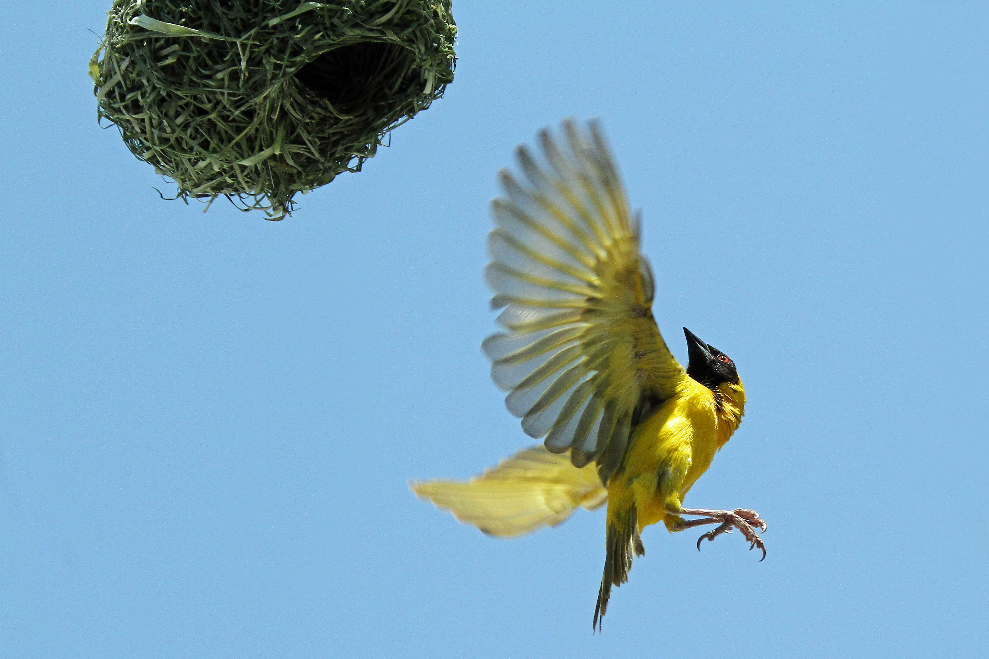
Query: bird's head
(716, 371)
(707, 364)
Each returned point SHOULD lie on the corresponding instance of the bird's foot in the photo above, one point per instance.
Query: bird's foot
(746, 521)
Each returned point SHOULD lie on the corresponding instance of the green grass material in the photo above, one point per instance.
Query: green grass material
(256, 100)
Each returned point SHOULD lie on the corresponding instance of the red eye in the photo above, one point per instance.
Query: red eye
(724, 359)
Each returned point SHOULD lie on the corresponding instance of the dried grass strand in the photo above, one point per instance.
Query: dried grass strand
(256, 100)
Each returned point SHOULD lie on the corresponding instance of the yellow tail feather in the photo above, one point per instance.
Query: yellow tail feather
(531, 489)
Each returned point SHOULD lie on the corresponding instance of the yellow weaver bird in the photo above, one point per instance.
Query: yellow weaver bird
(585, 367)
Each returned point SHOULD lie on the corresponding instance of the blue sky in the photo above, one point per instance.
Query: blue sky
(209, 419)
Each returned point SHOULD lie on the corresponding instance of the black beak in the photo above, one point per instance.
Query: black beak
(698, 352)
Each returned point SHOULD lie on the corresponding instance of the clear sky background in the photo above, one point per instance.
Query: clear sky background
(208, 420)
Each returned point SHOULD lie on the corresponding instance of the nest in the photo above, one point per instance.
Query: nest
(256, 100)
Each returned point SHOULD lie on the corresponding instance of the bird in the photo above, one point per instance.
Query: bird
(585, 368)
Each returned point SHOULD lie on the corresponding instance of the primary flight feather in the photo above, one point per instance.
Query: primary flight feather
(586, 368)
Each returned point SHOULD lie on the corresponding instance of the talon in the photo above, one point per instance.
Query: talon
(756, 542)
(746, 521)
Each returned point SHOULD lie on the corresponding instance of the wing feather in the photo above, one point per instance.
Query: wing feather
(580, 349)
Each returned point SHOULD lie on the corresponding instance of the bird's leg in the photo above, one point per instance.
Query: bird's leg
(746, 521)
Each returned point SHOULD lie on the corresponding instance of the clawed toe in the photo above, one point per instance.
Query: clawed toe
(746, 521)
(752, 517)
(725, 527)
(756, 541)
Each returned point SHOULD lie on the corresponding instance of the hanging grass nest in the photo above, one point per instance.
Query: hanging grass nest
(256, 100)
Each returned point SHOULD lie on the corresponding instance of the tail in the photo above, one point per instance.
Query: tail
(622, 539)
(531, 489)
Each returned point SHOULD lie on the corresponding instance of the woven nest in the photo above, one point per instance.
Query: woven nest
(256, 100)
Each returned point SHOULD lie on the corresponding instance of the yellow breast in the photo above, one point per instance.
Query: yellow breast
(672, 448)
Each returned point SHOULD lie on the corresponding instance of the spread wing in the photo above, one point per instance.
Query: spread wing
(531, 489)
(580, 351)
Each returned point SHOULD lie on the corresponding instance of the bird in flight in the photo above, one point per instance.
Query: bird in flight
(586, 368)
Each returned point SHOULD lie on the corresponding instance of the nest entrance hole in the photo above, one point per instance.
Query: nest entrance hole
(362, 77)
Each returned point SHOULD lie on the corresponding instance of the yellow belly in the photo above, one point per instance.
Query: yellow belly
(667, 454)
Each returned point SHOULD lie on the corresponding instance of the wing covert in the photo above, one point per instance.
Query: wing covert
(580, 348)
